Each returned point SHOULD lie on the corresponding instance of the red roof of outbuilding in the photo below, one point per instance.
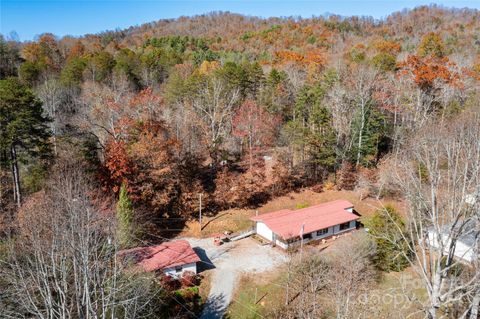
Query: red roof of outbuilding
(288, 223)
(165, 255)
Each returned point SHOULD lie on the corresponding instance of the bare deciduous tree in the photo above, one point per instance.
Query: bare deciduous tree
(350, 101)
(63, 263)
(104, 106)
(437, 171)
(352, 273)
(51, 94)
(331, 282)
(215, 104)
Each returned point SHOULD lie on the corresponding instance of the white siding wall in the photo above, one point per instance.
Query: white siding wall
(462, 251)
(264, 231)
(279, 243)
(334, 230)
(187, 267)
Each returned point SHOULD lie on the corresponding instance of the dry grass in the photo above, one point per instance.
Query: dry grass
(204, 287)
(238, 219)
(232, 220)
(397, 295)
(386, 298)
(365, 207)
(266, 288)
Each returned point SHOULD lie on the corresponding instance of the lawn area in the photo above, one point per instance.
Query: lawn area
(256, 296)
(238, 219)
(397, 295)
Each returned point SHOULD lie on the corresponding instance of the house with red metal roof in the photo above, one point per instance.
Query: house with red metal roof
(170, 258)
(287, 228)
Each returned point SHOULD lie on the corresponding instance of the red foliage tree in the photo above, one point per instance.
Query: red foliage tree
(255, 125)
(189, 279)
(119, 167)
(347, 177)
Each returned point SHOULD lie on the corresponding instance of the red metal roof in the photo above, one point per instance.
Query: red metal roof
(165, 255)
(288, 223)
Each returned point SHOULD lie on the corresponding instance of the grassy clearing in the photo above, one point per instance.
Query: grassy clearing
(238, 219)
(257, 295)
(396, 295)
(229, 220)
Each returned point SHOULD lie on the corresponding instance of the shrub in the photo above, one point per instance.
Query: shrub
(317, 188)
(169, 283)
(302, 205)
(189, 279)
(388, 230)
(329, 186)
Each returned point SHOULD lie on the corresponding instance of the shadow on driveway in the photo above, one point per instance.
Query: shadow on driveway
(215, 307)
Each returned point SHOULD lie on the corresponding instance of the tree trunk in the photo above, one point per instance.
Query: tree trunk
(474, 314)
(360, 134)
(250, 145)
(54, 138)
(16, 178)
(435, 294)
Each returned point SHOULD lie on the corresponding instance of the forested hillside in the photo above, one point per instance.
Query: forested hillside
(237, 108)
(137, 126)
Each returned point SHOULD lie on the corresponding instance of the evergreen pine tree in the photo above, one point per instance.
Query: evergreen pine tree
(373, 132)
(24, 132)
(312, 130)
(125, 231)
(386, 227)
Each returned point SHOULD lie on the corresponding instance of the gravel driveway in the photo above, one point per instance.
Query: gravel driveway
(228, 262)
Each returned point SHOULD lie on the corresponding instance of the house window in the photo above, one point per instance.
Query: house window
(307, 236)
(178, 269)
(345, 226)
(322, 232)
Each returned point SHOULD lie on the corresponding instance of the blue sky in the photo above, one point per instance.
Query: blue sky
(73, 17)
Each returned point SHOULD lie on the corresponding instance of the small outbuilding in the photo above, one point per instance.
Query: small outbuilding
(287, 228)
(171, 258)
(467, 244)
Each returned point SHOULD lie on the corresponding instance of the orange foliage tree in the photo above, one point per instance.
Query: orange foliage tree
(425, 71)
(311, 58)
(118, 167)
(389, 47)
